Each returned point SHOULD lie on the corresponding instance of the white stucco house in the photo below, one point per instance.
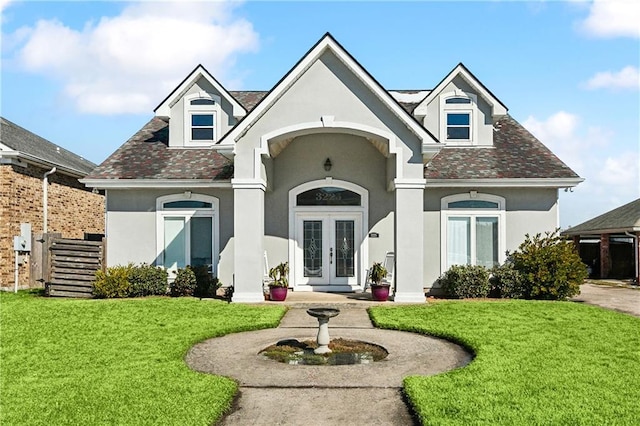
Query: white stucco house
(329, 171)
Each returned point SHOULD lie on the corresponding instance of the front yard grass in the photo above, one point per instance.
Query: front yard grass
(120, 362)
(536, 363)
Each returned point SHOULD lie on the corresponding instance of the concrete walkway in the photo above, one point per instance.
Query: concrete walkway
(273, 393)
(622, 299)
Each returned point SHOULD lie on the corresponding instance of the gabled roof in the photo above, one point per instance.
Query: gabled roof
(624, 218)
(460, 70)
(165, 106)
(516, 156)
(328, 43)
(20, 144)
(146, 156)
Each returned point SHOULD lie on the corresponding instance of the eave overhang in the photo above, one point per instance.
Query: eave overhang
(598, 232)
(505, 183)
(154, 183)
(22, 159)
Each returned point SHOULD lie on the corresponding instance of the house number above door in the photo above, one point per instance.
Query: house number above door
(328, 196)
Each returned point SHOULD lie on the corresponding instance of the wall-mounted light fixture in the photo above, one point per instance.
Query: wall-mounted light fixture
(327, 164)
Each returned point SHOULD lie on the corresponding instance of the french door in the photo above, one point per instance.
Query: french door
(328, 249)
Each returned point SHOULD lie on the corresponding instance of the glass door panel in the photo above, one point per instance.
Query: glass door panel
(174, 243)
(344, 248)
(458, 241)
(201, 243)
(487, 241)
(312, 248)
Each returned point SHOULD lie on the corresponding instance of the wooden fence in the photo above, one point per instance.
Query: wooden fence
(69, 266)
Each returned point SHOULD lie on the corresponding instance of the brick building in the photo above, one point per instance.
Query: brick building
(73, 209)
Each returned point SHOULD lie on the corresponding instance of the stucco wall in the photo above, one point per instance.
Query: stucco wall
(483, 119)
(328, 88)
(131, 226)
(354, 160)
(528, 211)
(226, 121)
(72, 211)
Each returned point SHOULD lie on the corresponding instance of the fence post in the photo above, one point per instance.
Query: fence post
(35, 261)
(103, 260)
(48, 240)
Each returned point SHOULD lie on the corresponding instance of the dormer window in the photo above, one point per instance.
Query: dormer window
(201, 119)
(458, 115)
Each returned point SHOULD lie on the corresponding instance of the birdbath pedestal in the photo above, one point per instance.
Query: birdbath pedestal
(323, 315)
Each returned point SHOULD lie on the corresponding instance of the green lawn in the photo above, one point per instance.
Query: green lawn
(537, 363)
(119, 362)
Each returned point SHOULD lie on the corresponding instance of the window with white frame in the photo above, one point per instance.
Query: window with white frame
(457, 118)
(201, 119)
(473, 230)
(187, 231)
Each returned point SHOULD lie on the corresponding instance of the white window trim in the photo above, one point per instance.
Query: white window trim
(212, 212)
(189, 110)
(445, 213)
(471, 109)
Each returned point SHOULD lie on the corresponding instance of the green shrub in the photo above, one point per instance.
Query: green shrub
(465, 281)
(184, 284)
(550, 267)
(147, 280)
(506, 282)
(113, 283)
(206, 285)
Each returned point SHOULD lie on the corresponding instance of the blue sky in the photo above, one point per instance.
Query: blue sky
(87, 75)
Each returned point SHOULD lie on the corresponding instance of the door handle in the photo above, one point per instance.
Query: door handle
(331, 256)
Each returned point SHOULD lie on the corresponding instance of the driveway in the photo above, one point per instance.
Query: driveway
(620, 299)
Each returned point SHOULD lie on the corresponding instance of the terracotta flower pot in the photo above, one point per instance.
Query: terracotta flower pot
(278, 294)
(380, 292)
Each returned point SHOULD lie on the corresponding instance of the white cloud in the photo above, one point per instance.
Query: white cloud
(130, 62)
(627, 78)
(611, 176)
(613, 18)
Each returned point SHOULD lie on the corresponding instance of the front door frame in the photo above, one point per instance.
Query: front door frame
(296, 213)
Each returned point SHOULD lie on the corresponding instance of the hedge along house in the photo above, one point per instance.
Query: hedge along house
(328, 171)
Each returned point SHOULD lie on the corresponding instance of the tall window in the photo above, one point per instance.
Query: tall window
(187, 231)
(458, 111)
(202, 112)
(473, 230)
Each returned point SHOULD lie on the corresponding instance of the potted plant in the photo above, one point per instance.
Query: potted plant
(278, 287)
(379, 290)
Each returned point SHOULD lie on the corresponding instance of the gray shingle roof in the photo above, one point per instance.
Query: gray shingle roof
(516, 154)
(38, 148)
(624, 218)
(147, 156)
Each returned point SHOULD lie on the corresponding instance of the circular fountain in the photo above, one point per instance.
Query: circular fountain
(323, 315)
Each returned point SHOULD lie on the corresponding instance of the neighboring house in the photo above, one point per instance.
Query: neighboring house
(608, 243)
(72, 208)
(328, 171)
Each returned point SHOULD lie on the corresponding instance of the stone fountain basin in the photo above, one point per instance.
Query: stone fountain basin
(324, 313)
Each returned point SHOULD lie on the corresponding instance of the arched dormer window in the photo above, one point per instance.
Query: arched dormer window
(458, 118)
(201, 119)
(472, 230)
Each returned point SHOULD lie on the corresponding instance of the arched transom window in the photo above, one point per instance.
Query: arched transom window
(187, 231)
(473, 230)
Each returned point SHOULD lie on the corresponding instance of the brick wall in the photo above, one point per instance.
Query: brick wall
(72, 211)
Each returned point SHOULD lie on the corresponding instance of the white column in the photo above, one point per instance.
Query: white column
(248, 215)
(409, 241)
